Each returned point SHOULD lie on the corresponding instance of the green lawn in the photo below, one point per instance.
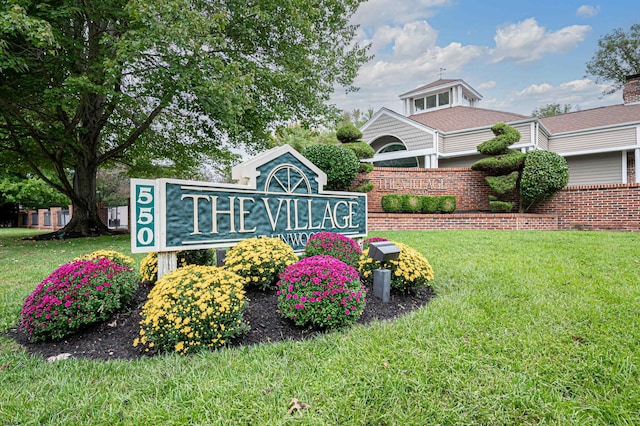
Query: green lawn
(527, 328)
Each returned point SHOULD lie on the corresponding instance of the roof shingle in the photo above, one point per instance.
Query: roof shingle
(592, 118)
(463, 117)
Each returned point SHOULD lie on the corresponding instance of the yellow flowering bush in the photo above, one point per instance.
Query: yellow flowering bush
(192, 308)
(149, 264)
(112, 255)
(260, 260)
(410, 270)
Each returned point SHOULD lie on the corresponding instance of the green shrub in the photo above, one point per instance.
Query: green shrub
(77, 294)
(149, 264)
(321, 291)
(411, 203)
(260, 260)
(447, 203)
(360, 149)
(429, 204)
(411, 270)
(544, 174)
(391, 203)
(503, 184)
(336, 245)
(340, 164)
(114, 256)
(193, 308)
(365, 168)
(505, 135)
(348, 133)
(501, 164)
(365, 187)
(500, 206)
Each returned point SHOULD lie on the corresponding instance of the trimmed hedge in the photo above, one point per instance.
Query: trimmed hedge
(430, 204)
(500, 164)
(348, 133)
(392, 203)
(360, 149)
(408, 203)
(411, 203)
(447, 204)
(503, 184)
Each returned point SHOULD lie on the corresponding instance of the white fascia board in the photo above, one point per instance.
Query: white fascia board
(597, 151)
(436, 89)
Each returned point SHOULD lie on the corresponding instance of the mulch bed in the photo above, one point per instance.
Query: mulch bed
(113, 339)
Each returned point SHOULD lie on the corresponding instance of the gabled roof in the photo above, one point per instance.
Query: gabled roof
(463, 117)
(436, 83)
(592, 118)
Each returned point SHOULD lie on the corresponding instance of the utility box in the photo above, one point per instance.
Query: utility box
(383, 251)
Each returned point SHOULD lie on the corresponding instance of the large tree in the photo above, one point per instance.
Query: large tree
(617, 57)
(175, 83)
(551, 109)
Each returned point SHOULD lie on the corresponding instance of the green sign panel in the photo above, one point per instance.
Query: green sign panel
(279, 195)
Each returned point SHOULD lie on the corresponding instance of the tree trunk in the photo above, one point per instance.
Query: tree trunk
(85, 215)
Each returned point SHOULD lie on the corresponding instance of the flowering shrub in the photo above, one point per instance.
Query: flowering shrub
(366, 242)
(191, 308)
(114, 256)
(260, 260)
(410, 270)
(336, 245)
(76, 294)
(149, 264)
(321, 291)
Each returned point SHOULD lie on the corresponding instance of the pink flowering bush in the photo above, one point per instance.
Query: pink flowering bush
(368, 241)
(321, 291)
(77, 294)
(336, 245)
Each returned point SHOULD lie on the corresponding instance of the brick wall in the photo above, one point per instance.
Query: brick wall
(468, 186)
(504, 221)
(601, 207)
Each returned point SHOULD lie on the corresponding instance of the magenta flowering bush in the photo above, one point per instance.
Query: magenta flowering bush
(368, 241)
(336, 245)
(77, 294)
(321, 291)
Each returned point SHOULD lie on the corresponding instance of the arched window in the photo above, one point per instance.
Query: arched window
(398, 162)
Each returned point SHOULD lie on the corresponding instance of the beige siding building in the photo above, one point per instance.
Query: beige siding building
(443, 125)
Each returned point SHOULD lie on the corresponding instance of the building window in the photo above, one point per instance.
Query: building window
(443, 98)
(432, 101)
(398, 162)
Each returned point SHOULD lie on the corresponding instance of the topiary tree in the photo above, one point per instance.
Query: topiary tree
(348, 133)
(340, 164)
(544, 174)
(503, 164)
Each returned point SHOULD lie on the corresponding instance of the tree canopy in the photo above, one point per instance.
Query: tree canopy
(161, 84)
(617, 57)
(551, 109)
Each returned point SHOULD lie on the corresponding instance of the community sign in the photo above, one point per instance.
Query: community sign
(279, 194)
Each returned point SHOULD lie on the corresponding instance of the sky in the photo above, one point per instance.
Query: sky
(519, 54)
